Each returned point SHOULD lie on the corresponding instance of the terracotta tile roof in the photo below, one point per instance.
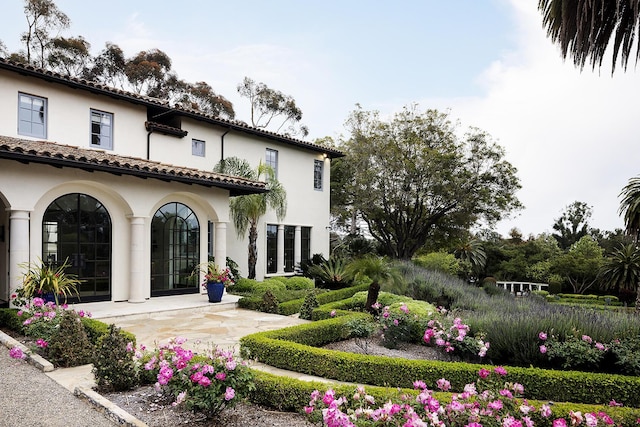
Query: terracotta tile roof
(97, 160)
(99, 88)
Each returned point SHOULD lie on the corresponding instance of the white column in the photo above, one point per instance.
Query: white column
(280, 256)
(297, 246)
(18, 247)
(138, 283)
(220, 245)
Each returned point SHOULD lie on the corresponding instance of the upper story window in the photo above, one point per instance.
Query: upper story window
(197, 147)
(101, 129)
(271, 159)
(318, 166)
(32, 115)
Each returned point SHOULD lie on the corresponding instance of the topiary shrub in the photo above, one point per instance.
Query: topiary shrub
(310, 302)
(244, 285)
(69, 344)
(299, 283)
(269, 302)
(113, 365)
(271, 285)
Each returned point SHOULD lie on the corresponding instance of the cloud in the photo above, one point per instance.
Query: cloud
(571, 134)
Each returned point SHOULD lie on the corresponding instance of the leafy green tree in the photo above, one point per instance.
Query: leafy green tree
(3, 49)
(621, 270)
(573, 224)
(584, 28)
(247, 210)
(415, 180)
(270, 107)
(108, 67)
(43, 18)
(581, 265)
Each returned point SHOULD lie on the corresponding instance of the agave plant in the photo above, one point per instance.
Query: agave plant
(333, 272)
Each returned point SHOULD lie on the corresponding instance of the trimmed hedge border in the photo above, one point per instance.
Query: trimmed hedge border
(288, 308)
(296, 348)
(290, 394)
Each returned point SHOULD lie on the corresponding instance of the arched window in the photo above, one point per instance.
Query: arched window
(175, 250)
(77, 227)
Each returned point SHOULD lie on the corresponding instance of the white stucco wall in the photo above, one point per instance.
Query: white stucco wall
(306, 206)
(68, 114)
(123, 197)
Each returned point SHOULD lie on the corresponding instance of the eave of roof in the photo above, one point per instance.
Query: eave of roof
(59, 155)
(97, 88)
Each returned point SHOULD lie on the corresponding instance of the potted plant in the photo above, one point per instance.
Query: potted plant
(216, 279)
(49, 282)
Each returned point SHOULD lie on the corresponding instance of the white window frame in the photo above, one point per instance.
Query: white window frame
(271, 159)
(25, 127)
(105, 140)
(198, 147)
(318, 183)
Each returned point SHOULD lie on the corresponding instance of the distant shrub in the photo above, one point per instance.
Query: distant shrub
(244, 285)
(439, 261)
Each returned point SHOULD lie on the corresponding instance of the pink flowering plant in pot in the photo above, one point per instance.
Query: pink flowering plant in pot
(206, 383)
(214, 273)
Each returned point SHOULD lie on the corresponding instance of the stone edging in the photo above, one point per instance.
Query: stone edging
(34, 359)
(103, 405)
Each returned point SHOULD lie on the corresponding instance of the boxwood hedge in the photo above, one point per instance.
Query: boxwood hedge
(297, 349)
(290, 394)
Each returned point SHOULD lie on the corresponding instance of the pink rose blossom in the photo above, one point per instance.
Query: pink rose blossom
(543, 349)
(16, 353)
(483, 373)
(542, 336)
(229, 393)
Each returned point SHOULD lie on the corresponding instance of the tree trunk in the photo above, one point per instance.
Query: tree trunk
(253, 251)
(372, 297)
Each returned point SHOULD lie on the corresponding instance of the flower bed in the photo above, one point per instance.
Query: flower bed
(296, 348)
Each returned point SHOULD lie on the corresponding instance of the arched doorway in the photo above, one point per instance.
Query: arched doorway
(175, 250)
(77, 227)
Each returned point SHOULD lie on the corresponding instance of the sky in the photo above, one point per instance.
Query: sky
(571, 134)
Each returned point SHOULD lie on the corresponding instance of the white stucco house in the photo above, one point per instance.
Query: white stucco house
(121, 186)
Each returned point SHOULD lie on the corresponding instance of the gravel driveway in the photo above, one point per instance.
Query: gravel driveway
(29, 398)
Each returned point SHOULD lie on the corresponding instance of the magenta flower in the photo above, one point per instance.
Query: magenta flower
(221, 376)
(443, 384)
(206, 382)
(500, 370)
(542, 336)
(591, 420)
(545, 411)
(404, 308)
(308, 409)
(543, 349)
(560, 422)
(230, 365)
(496, 405)
(333, 313)
(229, 393)
(483, 373)
(38, 302)
(16, 353)
(587, 339)
(41, 343)
(599, 346)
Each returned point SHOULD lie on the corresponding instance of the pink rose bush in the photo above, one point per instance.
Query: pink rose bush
(206, 383)
(488, 402)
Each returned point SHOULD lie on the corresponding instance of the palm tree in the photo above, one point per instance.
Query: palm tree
(584, 28)
(622, 270)
(630, 210)
(247, 210)
(379, 271)
(472, 251)
(630, 207)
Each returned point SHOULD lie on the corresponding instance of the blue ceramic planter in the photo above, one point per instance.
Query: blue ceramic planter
(215, 291)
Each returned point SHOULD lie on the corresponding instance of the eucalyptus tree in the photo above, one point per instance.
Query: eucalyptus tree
(272, 109)
(585, 28)
(246, 211)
